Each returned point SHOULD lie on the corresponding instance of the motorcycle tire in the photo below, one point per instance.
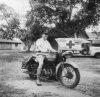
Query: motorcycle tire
(69, 76)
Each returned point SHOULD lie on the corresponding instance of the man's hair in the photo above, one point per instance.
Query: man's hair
(45, 32)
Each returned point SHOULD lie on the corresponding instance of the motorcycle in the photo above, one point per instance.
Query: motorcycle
(56, 65)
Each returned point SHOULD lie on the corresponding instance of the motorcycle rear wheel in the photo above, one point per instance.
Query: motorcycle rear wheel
(69, 72)
(32, 76)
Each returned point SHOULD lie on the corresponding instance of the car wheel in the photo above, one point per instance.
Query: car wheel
(97, 55)
(84, 52)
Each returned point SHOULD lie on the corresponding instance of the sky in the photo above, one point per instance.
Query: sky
(20, 6)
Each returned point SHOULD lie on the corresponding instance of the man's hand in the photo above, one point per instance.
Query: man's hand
(52, 51)
(59, 51)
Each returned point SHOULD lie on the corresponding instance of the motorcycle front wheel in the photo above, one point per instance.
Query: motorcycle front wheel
(69, 76)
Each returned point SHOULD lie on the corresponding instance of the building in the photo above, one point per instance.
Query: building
(93, 35)
(14, 44)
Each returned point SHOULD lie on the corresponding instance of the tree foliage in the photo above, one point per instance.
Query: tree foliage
(33, 29)
(60, 12)
(11, 26)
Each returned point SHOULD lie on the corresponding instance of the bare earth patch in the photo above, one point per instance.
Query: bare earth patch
(14, 83)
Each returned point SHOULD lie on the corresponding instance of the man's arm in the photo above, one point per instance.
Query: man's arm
(38, 45)
(50, 48)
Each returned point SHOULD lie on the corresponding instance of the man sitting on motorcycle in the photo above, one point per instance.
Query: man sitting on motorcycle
(42, 47)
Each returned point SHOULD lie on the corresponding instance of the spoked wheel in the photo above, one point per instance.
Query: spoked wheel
(69, 76)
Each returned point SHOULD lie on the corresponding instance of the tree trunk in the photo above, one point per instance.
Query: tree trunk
(29, 46)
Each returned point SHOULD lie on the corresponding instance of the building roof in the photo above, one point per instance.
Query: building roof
(93, 34)
(10, 41)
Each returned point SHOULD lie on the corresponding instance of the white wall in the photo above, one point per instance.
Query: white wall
(18, 47)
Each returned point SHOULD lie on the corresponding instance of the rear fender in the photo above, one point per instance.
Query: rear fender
(65, 63)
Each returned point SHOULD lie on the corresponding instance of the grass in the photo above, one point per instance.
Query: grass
(88, 85)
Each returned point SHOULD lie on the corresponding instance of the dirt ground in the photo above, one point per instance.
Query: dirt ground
(14, 83)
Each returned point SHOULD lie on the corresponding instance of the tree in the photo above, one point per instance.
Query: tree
(33, 31)
(60, 12)
(11, 27)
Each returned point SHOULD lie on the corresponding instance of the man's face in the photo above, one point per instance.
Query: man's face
(44, 36)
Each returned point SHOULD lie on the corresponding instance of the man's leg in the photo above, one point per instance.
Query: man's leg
(40, 59)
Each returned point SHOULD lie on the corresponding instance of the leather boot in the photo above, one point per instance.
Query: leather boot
(38, 82)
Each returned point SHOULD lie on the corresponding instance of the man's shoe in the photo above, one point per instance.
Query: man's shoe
(38, 83)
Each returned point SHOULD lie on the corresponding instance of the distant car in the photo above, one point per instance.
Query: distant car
(95, 50)
(73, 46)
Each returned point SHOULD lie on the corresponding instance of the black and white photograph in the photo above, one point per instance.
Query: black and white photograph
(49, 48)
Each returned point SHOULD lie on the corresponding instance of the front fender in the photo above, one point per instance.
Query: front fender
(71, 63)
(66, 62)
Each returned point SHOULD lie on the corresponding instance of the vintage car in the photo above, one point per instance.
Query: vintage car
(74, 45)
(95, 48)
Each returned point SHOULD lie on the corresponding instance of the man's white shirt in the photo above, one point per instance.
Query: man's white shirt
(43, 45)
